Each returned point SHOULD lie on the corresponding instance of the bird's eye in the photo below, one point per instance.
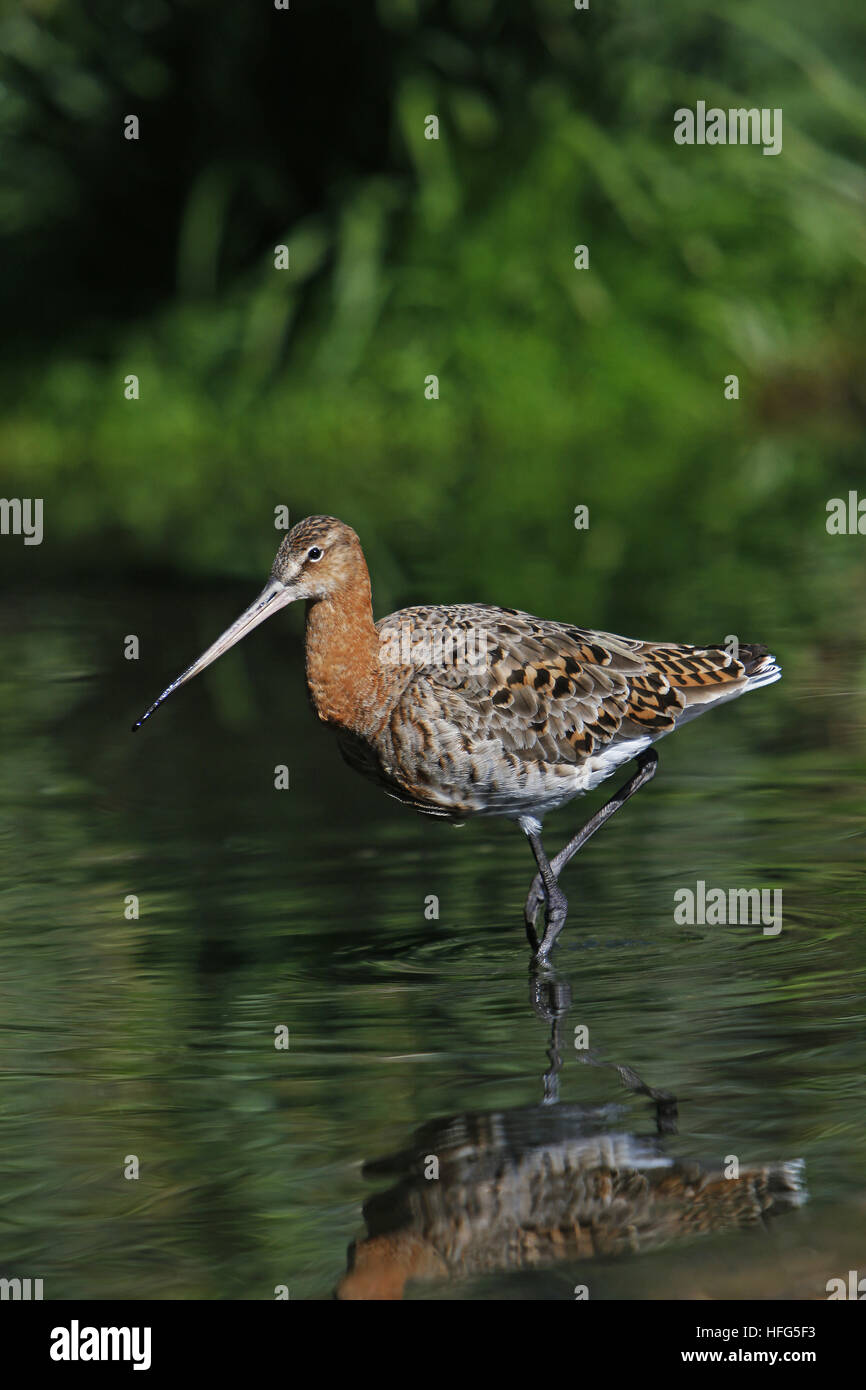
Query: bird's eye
(315, 553)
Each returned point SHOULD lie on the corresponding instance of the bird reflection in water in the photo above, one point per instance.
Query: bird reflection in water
(534, 1187)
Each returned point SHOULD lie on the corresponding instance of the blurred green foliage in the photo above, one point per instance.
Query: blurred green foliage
(455, 257)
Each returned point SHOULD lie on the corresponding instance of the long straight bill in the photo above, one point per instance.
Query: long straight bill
(273, 597)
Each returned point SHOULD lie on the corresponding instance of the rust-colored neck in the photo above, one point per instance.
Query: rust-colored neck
(342, 650)
(381, 1266)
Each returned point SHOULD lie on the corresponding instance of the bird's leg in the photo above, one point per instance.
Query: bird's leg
(557, 903)
(647, 762)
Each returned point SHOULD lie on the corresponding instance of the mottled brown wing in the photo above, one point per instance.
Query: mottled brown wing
(555, 693)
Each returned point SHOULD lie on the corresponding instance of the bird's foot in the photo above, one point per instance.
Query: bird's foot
(554, 921)
(540, 963)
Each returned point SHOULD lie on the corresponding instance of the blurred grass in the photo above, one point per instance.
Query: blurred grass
(305, 387)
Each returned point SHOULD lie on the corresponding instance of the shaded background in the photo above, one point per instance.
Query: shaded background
(409, 257)
(306, 388)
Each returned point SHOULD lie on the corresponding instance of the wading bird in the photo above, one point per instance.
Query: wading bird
(530, 714)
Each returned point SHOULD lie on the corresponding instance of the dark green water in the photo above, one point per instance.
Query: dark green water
(305, 908)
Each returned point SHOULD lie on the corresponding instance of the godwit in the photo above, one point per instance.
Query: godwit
(473, 711)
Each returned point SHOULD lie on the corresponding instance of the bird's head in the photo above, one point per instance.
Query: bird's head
(317, 558)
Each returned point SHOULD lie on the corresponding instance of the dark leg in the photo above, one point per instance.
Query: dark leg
(557, 903)
(647, 763)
